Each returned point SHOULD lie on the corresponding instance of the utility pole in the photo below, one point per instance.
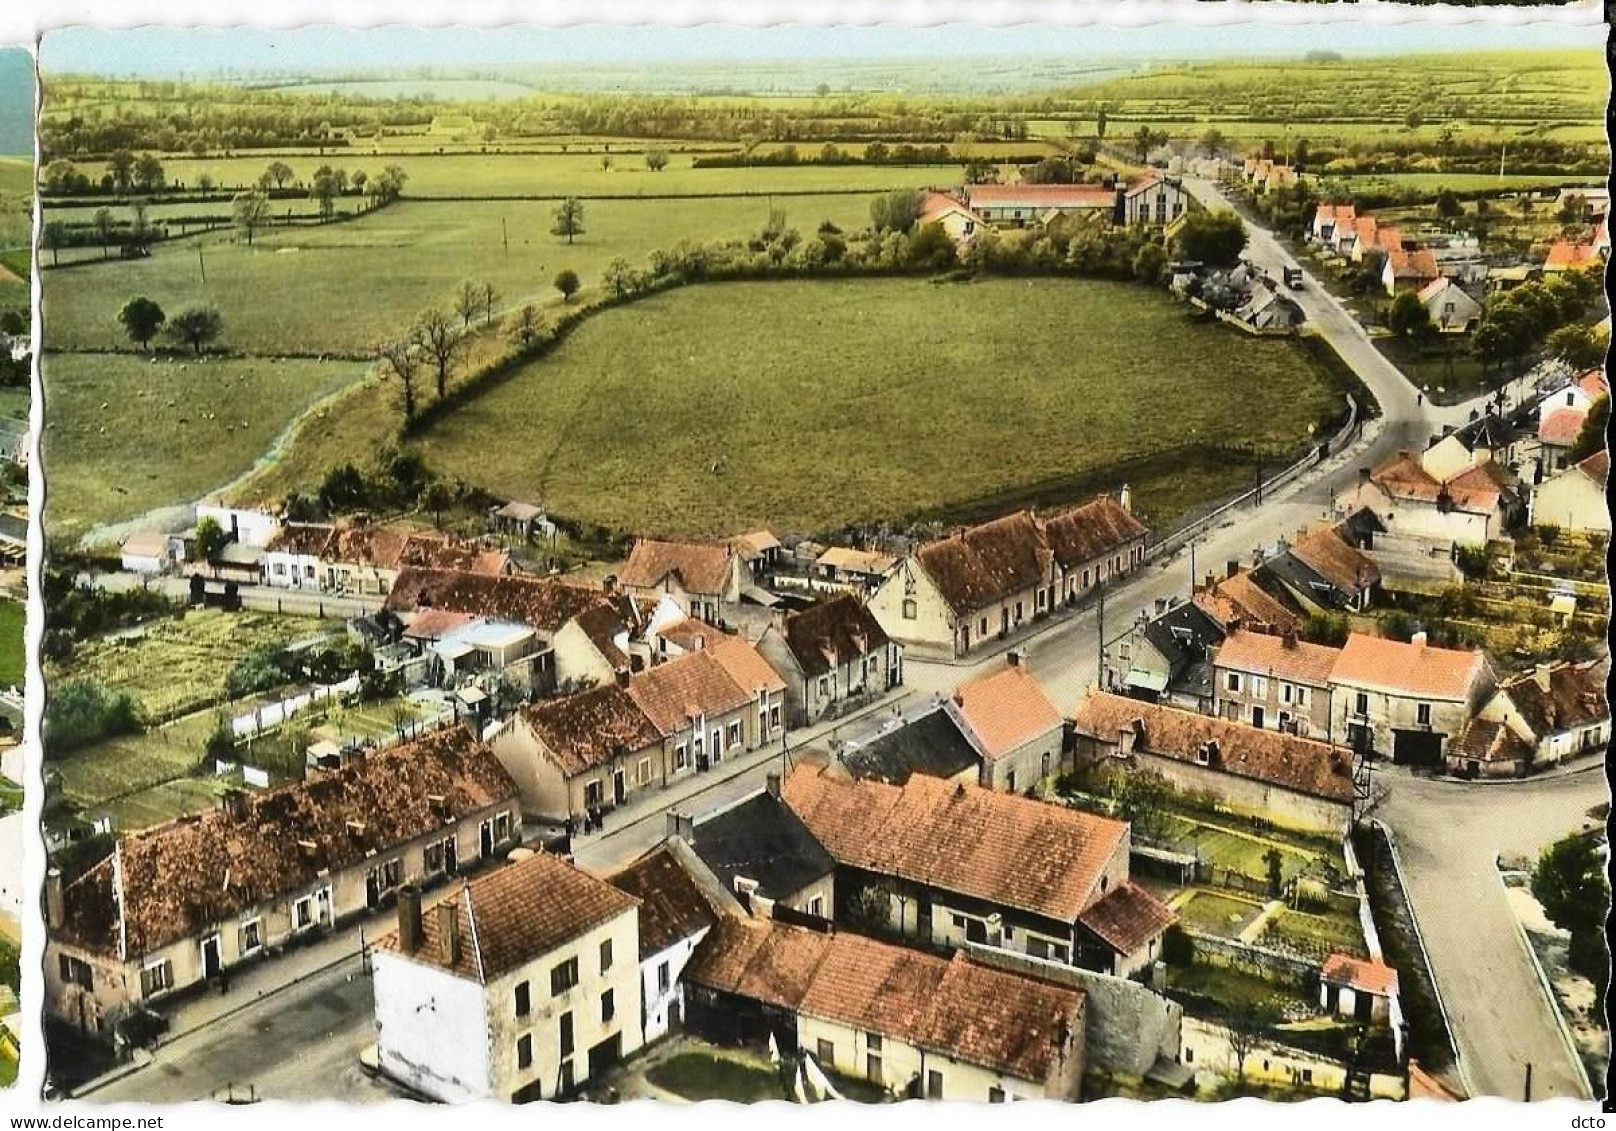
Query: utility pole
(1099, 677)
(1193, 574)
(1528, 1096)
(201, 264)
(504, 235)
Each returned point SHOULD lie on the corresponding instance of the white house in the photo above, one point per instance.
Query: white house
(953, 214)
(1153, 200)
(1452, 310)
(245, 525)
(519, 985)
(145, 551)
(292, 556)
(1575, 498)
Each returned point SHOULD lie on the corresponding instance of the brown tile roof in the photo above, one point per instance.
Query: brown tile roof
(755, 544)
(1096, 529)
(745, 665)
(997, 847)
(379, 546)
(1128, 917)
(702, 567)
(689, 633)
(1419, 264)
(987, 563)
(1336, 213)
(1403, 477)
(434, 624)
(586, 730)
(1006, 709)
(1283, 760)
(182, 878)
(1333, 558)
(1041, 196)
(1478, 488)
(1359, 973)
(1239, 601)
(765, 961)
(520, 912)
(1574, 698)
(1408, 669)
(690, 685)
(432, 551)
(1596, 467)
(1482, 740)
(836, 631)
(856, 561)
(672, 906)
(1570, 253)
(601, 623)
(1286, 658)
(541, 603)
(936, 205)
(958, 1007)
(299, 538)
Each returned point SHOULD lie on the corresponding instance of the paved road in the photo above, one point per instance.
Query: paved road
(303, 1043)
(1448, 835)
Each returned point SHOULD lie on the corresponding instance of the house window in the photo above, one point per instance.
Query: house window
(77, 972)
(605, 955)
(1085, 579)
(1422, 714)
(1040, 600)
(1259, 686)
(1287, 692)
(816, 906)
(566, 1033)
(664, 978)
(1010, 781)
(563, 977)
(734, 734)
(718, 743)
(959, 922)
(1360, 703)
(934, 1084)
(608, 1006)
(774, 717)
(566, 1077)
(252, 936)
(303, 913)
(1234, 681)
(824, 686)
(984, 626)
(432, 858)
(1301, 696)
(157, 977)
(524, 1051)
(524, 999)
(995, 1095)
(910, 610)
(308, 572)
(593, 793)
(502, 827)
(1057, 952)
(644, 772)
(872, 1041)
(681, 757)
(1018, 610)
(827, 1052)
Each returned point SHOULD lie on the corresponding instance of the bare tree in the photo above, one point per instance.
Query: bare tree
(468, 302)
(402, 360)
(1245, 1026)
(490, 298)
(442, 341)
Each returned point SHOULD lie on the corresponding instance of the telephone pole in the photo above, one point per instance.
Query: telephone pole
(1099, 677)
(201, 264)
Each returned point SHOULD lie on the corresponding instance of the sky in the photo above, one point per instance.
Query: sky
(16, 101)
(157, 52)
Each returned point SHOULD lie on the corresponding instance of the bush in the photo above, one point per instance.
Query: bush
(259, 671)
(1178, 948)
(82, 711)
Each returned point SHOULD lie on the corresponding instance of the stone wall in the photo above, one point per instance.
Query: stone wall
(1129, 1026)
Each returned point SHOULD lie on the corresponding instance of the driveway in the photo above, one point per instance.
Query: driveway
(1448, 835)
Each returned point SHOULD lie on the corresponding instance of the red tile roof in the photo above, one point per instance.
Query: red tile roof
(960, 1008)
(1408, 669)
(515, 915)
(1570, 254)
(672, 905)
(1005, 710)
(434, 551)
(1097, 529)
(996, 847)
(1562, 426)
(745, 665)
(1128, 917)
(1596, 467)
(1300, 765)
(1360, 974)
(365, 545)
(1485, 741)
(1327, 553)
(1566, 697)
(1285, 658)
(1041, 196)
(302, 538)
(1239, 601)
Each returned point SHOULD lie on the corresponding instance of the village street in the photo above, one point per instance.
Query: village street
(1448, 832)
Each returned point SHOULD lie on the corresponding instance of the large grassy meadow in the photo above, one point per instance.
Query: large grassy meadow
(345, 287)
(825, 403)
(125, 434)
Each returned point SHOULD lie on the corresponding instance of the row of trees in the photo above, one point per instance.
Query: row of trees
(1523, 322)
(195, 326)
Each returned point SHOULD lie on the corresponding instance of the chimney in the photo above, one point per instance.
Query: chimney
(1013, 657)
(1125, 498)
(1288, 637)
(1211, 582)
(1231, 568)
(959, 698)
(682, 826)
(622, 677)
(55, 900)
(608, 584)
(234, 802)
(772, 783)
(1542, 675)
(449, 930)
(409, 918)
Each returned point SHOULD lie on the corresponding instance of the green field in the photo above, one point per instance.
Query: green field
(469, 175)
(1434, 183)
(13, 660)
(1215, 914)
(348, 286)
(179, 664)
(126, 434)
(826, 403)
(16, 228)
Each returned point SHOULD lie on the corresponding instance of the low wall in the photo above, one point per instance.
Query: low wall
(1259, 958)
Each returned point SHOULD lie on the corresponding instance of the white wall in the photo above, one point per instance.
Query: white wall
(657, 1004)
(431, 1029)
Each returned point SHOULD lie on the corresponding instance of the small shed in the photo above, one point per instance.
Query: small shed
(145, 551)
